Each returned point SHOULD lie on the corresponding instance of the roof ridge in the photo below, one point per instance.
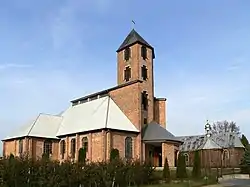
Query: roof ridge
(96, 109)
(107, 113)
(33, 124)
(54, 115)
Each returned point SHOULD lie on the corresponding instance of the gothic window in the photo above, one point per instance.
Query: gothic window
(144, 98)
(20, 146)
(144, 52)
(127, 73)
(85, 143)
(144, 72)
(62, 148)
(127, 53)
(128, 147)
(73, 147)
(47, 147)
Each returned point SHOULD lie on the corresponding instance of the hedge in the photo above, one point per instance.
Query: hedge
(24, 172)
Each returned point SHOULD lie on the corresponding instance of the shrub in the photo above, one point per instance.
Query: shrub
(114, 154)
(245, 164)
(45, 156)
(244, 140)
(181, 172)
(46, 173)
(82, 155)
(166, 171)
(196, 172)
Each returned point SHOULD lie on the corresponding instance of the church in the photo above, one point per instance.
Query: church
(128, 117)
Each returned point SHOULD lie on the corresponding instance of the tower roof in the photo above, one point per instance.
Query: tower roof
(133, 38)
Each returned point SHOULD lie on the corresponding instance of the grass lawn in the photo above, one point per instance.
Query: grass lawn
(184, 184)
(190, 183)
(170, 185)
(177, 185)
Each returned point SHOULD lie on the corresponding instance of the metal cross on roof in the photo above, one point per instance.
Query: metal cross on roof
(133, 24)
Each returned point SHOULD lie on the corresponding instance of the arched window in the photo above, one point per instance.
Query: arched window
(85, 143)
(127, 73)
(225, 155)
(47, 147)
(62, 148)
(127, 53)
(144, 52)
(73, 147)
(20, 146)
(186, 158)
(128, 148)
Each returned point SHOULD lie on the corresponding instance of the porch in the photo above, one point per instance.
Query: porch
(159, 145)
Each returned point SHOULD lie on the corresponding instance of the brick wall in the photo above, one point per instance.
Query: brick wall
(36, 148)
(10, 148)
(168, 151)
(118, 142)
(97, 146)
(135, 62)
(129, 101)
(160, 111)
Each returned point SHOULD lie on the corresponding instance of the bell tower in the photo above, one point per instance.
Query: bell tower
(135, 62)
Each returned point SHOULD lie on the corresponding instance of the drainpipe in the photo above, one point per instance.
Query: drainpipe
(106, 144)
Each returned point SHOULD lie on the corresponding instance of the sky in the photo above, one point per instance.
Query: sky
(54, 51)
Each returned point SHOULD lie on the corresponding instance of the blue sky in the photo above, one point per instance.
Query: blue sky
(54, 51)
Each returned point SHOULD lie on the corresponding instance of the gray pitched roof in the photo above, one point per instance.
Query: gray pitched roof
(224, 140)
(157, 133)
(133, 38)
(209, 144)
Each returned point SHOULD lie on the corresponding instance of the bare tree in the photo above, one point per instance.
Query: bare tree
(225, 126)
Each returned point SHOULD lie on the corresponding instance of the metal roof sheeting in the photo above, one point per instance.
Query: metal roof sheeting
(224, 140)
(44, 125)
(93, 115)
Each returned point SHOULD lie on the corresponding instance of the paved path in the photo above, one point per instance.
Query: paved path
(236, 183)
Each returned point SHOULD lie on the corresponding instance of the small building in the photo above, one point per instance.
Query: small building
(128, 117)
(220, 150)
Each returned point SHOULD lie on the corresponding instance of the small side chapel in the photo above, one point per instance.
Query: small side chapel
(128, 117)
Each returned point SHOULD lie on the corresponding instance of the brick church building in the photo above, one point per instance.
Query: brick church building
(128, 117)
